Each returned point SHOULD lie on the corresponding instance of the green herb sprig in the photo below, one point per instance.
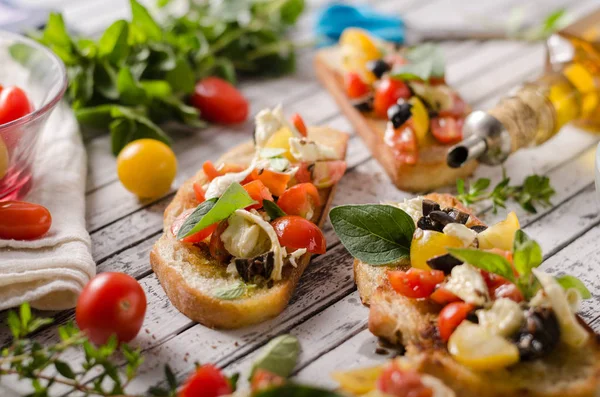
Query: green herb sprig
(535, 191)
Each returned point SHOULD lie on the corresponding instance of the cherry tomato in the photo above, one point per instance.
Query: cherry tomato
(458, 109)
(196, 237)
(207, 381)
(387, 94)
(403, 142)
(199, 192)
(147, 168)
(399, 382)
(23, 221)
(509, 291)
(442, 296)
(216, 247)
(14, 104)
(111, 304)
(259, 192)
(263, 379)
(355, 86)
(301, 200)
(304, 173)
(415, 283)
(451, 316)
(437, 80)
(298, 122)
(219, 101)
(447, 130)
(276, 182)
(296, 232)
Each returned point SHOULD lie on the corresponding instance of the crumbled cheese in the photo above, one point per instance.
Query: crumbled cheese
(309, 151)
(295, 255)
(413, 207)
(243, 238)
(467, 283)
(571, 332)
(504, 318)
(267, 122)
(460, 231)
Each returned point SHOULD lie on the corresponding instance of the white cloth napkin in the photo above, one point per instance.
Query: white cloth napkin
(49, 273)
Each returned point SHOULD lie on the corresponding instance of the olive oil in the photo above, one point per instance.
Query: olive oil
(568, 91)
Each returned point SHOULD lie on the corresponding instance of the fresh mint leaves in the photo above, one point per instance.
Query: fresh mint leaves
(374, 233)
(279, 356)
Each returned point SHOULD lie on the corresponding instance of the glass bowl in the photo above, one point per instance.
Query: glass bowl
(42, 75)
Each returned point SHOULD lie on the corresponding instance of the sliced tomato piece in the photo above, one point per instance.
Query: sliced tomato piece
(263, 380)
(442, 296)
(210, 170)
(298, 122)
(199, 192)
(301, 199)
(216, 247)
(509, 291)
(355, 86)
(387, 94)
(196, 237)
(304, 173)
(399, 382)
(403, 142)
(276, 182)
(296, 232)
(259, 192)
(327, 173)
(415, 283)
(451, 316)
(447, 130)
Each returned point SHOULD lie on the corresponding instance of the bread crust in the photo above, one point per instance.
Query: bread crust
(188, 273)
(431, 170)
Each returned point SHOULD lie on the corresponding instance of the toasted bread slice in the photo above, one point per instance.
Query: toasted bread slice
(430, 172)
(189, 275)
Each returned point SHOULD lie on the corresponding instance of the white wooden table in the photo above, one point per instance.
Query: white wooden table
(325, 313)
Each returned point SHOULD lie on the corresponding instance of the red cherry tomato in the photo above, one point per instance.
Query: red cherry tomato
(14, 104)
(207, 381)
(298, 122)
(263, 379)
(398, 382)
(355, 86)
(196, 237)
(415, 283)
(458, 109)
(199, 192)
(23, 221)
(219, 101)
(387, 93)
(508, 290)
(301, 200)
(296, 232)
(442, 296)
(451, 316)
(259, 192)
(216, 247)
(111, 304)
(276, 182)
(403, 142)
(447, 130)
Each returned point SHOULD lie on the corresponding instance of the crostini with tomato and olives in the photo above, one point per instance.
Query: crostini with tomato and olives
(400, 104)
(468, 301)
(239, 234)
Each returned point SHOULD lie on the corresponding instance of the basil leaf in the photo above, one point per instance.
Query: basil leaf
(195, 217)
(487, 261)
(130, 90)
(568, 282)
(279, 356)
(413, 71)
(144, 23)
(376, 234)
(527, 254)
(230, 292)
(181, 78)
(273, 210)
(113, 43)
(234, 198)
(292, 390)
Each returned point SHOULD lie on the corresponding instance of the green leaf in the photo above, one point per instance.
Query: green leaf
(279, 356)
(64, 369)
(144, 23)
(487, 261)
(171, 379)
(55, 33)
(234, 198)
(25, 313)
(233, 381)
(14, 323)
(230, 292)
(292, 390)
(156, 88)
(273, 210)
(130, 91)
(568, 282)
(425, 61)
(113, 43)
(291, 11)
(413, 71)
(96, 117)
(373, 233)
(527, 254)
(181, 78)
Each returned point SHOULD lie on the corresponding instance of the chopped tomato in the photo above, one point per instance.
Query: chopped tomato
(296, 232)
(259, 192)
(263, 379)
(403, 142)
(398, 382)
(387, 94)
(207, 381)
(442, 296)
(415, 283)
(199, 192)
(298, 122)
(301, 200)
(437, 80)
(276, 182)
(451, 316)
(447, 130)
(196, 237)
(210, 170)
(219, 101)
(304, 173)
(14, 104)
(216, 247)
(327, 173)
(458, 109)
(508, 290)
(355, 86)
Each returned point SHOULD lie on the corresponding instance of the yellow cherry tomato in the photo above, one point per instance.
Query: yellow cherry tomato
(420, 119)
(427, 244)
(281, 140)
(3, 159)
(501, 235)
(147, 168)
(357, 50)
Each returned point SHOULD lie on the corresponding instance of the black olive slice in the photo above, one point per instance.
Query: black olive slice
(399, 113)
(441, 217)
(444, 263)
(430, 205)
(378, 67)
(261, 266)
(426, 223)
(458, 216)
(364, 104)
(478, 228)
(539, 334)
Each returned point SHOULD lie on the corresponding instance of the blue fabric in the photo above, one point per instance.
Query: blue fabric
(334, 18)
